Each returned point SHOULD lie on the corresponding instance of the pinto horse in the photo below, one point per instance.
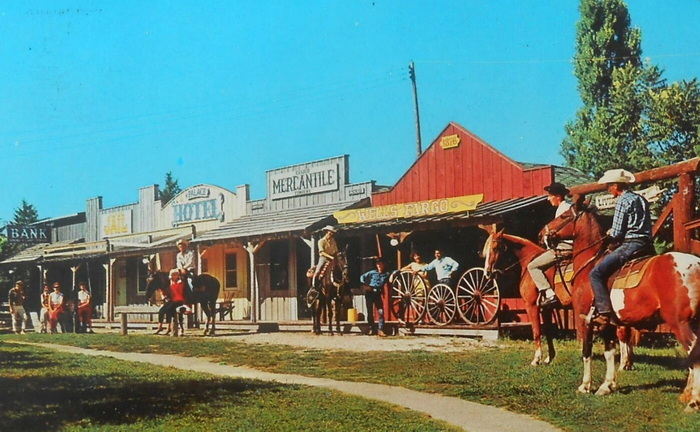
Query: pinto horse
(205, 292)
(333, 291)
(524, 250)
(668, 291)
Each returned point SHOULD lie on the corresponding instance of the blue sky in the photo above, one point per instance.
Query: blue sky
(101, 98)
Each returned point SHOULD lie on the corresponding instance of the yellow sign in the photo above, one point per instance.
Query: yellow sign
(409, 210)
(450, 141)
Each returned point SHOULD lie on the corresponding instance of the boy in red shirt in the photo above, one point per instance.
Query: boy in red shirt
(177, 299)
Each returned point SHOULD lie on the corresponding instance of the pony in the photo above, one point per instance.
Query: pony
(205, 293)
(525, 251)
(333, 291)
(666, 289)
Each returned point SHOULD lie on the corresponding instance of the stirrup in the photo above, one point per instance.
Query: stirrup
(311, 296)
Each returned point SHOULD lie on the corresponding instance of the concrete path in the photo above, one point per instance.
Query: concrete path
(467, 415)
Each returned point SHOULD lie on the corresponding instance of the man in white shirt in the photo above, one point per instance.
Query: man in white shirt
(556, 195)
(186, 262)
(444, 267)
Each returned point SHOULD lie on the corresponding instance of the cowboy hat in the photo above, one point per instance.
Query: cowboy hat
(181, 241)
(617, 175)
(557, 189)
(329, 228)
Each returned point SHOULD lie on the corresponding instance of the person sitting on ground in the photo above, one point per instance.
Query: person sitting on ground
(556, 195)
(632, 226)
(84, 309)
(56, 305)
(327, 250)
(44, 317)
(16, 298)
(374, 280)
(444, 267)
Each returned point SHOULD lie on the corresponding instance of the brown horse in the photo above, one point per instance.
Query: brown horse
(524, 250)
(332, 292)
(668, 290)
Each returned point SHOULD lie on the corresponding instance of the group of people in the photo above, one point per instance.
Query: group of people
(629, 235)
(375, 279)
(56, 308)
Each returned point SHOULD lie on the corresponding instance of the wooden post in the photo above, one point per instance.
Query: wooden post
(682, 212)
(124, 323)
(250, 248)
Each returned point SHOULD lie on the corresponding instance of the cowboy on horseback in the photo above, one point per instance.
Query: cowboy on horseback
(327, 251)
(186, 263)
(557, 193)
(632, 227)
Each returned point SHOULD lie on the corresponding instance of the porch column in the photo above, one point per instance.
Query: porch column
(109, 298)
(683, 212)
(251, 249)
(74, 271)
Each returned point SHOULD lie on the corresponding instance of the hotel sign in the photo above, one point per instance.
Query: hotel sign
(409, 210)
(115, 223)
(304, 180)
(28, 234)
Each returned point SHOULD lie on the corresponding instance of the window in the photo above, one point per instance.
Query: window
(231, 270)
(279, 261)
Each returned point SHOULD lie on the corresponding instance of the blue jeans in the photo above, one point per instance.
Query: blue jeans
(607, 266)
(372, 300)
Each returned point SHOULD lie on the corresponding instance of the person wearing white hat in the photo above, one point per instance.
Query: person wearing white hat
(327, 250)
(632, 227)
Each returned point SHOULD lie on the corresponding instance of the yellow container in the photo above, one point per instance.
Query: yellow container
(352, 315)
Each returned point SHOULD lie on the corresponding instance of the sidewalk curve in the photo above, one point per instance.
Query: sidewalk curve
(467, 415)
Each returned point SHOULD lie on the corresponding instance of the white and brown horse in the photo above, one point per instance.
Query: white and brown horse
(667, 289)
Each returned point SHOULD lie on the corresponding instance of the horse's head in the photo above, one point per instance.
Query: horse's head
(493, 247)
(342, 264)
(579, 219)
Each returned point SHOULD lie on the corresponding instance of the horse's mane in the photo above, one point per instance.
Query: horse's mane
(520, 241)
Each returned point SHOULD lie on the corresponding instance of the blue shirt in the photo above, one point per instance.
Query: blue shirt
(632, 219)
(374, 279)
(444, 267)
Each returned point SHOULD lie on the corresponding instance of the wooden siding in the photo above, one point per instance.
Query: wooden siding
(473, 167)
(279, 309)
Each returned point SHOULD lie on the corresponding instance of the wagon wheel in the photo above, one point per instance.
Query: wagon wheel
(408, 293)
(478, 297)
(442, 305)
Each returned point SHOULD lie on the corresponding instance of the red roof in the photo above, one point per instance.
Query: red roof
(460, 163)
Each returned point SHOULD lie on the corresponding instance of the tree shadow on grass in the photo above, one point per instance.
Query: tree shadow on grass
(23, 360)
(34, 403)
(666, 386)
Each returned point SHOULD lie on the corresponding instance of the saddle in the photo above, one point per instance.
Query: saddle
(563, 274)
(631, 273)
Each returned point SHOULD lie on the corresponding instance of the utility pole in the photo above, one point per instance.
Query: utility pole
(412, 75)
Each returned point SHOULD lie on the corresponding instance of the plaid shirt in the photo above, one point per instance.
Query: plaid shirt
(632, 219)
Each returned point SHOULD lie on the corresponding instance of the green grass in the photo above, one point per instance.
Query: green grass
(45, 390)
(647, 400)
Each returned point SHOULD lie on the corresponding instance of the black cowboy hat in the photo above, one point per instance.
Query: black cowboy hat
(557, 189)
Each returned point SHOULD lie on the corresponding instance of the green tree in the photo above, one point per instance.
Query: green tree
(25, 214)
(170, 189)
(630, 118)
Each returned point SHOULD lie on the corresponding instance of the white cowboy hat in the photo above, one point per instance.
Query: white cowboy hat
(617, 176)
(181, 241)
(329, 228)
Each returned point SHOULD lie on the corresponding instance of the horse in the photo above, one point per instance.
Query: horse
(666, 289)
(205, 292)
(333, 291)
(525, 251)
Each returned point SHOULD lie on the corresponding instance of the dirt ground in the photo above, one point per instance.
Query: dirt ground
(362, 343)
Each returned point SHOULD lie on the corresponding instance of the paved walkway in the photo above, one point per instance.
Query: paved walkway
(467, 415)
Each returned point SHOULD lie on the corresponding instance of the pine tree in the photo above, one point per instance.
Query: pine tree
(25, 214)
(170, 189)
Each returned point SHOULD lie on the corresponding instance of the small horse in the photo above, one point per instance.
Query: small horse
(524, 250)
(205, 292)
(668, 289)
(332, 292)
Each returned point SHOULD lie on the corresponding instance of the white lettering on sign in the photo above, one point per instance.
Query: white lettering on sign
(304, 181)
(197, 192)
(27, 234)
(607, 201)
